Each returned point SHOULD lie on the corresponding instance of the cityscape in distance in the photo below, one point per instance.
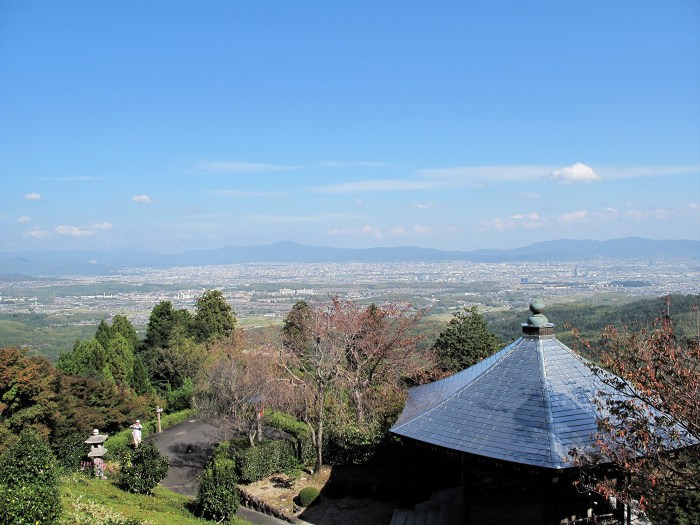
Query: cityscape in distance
(263, 292)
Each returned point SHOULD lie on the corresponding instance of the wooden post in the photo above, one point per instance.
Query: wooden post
(158, 411)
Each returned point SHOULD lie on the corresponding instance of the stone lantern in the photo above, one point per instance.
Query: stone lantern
(97, 451)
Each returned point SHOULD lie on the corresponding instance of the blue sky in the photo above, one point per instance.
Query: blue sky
(167, 125)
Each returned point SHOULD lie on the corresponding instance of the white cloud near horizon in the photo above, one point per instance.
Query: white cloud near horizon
(575, 216)
(224, 167)
(102, 226)
(24, 218)
(37, 233)
(145, 199)
(33, 196)
(578, 172)
(73, 231)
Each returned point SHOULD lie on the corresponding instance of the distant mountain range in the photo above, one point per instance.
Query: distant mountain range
(55, 263)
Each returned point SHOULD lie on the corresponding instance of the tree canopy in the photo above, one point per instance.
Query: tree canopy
(465, 341)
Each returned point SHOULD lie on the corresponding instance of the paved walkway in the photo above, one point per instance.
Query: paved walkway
(188, 447)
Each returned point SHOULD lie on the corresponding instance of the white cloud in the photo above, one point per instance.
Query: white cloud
(530, 196)
(242, 167)
(24, 218)
(359, 202)
(518, 221)
(575, 173)
(37, 233)
(32, 196)
(399, 231)
(92, 261)
(426, 206)
(575, 216)
(73, 231)
(141, 198)
(422, 230)
(102, 226)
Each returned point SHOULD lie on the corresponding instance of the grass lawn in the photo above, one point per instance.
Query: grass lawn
(92, 501)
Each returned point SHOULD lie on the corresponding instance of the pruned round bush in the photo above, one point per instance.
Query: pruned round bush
(307, 496)
(142, 469)
(29, 483)
(217, 499)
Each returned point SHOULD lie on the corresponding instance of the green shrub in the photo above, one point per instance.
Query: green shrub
(264, 459)
(217, 498)
(70, 450)
(29, 483)
(305, 451)
(307, 496)
(142, 469)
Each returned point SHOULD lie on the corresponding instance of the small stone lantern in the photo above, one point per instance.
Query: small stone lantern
(97, 452)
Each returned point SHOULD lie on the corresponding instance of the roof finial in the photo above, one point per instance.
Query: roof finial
(537, 318)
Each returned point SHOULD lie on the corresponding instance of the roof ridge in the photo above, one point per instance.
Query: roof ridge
(555, 450)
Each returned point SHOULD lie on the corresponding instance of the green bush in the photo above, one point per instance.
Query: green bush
(307, 496)
(70, 450)
(217, 498)
(305, 450)
(142, 469)
(29, 483)
(264, 459)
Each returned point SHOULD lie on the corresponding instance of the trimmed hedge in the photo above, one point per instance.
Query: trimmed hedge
(306, 454)
(120, 442)
(307, 496)
(264, 459)
(217, 499)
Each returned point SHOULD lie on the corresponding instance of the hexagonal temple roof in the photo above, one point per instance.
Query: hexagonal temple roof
(530, 403)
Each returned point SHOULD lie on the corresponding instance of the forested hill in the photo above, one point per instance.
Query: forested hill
(591, 319)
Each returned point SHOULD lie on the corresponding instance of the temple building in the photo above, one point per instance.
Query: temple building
(511, 421)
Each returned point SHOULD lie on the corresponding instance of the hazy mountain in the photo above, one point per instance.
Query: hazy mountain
(52, 263)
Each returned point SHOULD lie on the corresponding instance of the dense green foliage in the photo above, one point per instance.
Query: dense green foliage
(465, 341)
(29, 482)
(217, 498)
(264, 459)
(142, 469)
(590, 319)
(307, 496)
(215, 318)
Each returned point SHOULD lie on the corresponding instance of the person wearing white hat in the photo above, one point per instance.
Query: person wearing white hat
(136, 430)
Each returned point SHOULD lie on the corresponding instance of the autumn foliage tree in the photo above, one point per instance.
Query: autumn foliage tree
(339, 350)
(650, 429)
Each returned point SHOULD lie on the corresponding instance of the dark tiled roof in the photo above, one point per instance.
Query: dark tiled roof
(530, 403)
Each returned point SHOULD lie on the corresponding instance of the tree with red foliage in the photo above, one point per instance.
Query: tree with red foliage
(650, 428)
